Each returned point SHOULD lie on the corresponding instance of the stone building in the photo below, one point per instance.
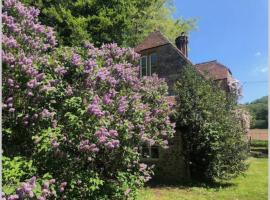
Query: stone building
(160, 56)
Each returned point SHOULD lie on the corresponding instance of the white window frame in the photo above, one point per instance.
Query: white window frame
(141, 65)
(149, 148)
(150, 63)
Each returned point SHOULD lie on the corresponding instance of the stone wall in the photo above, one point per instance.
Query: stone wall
(171, 166)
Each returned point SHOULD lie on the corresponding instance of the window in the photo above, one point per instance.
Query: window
(143, 64)
(148, 65)
(148, 151)
(153, 63)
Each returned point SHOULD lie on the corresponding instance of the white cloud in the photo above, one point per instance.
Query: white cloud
(263, 70)
(260, 69)
(258, 54)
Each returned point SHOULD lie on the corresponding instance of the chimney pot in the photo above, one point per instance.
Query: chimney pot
(181, 43)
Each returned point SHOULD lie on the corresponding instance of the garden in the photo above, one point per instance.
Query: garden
(75, 114)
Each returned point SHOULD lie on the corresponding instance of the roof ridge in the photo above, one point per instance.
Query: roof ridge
(207, 62)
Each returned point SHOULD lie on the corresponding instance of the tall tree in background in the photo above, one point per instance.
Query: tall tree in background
(103, 21)
(259, 111)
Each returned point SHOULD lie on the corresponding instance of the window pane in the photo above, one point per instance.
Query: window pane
(143, 66)
(145, 151)
(154, 152)
(153, 58)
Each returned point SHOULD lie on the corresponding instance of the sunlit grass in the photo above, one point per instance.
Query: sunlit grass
(252, 186)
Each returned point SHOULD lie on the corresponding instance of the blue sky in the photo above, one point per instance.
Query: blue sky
(234, 32)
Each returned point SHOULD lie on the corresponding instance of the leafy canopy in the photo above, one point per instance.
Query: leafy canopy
(214, 140)
(105, 21)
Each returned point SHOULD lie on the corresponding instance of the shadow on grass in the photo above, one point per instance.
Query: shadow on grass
(189, 184)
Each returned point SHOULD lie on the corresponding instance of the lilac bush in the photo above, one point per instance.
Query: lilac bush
(79, 114)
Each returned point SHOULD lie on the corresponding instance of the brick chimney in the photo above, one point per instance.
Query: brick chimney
(181, 43)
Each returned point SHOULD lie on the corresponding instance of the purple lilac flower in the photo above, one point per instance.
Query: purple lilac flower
(76, 59)
(107, 99)
(32, 84)
(122, 105)
(39, 77)
(113, 133)
(45, 113)
(94, 108)
(55, 144)
(89, 65)
(103, 74)
(85, 146)
(68, 90)
(61, 71)
(11, 110)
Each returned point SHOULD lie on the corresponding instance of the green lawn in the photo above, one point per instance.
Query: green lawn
(252, 186)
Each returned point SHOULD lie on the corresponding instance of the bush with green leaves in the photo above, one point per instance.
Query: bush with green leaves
(215, 145)
(78, 115)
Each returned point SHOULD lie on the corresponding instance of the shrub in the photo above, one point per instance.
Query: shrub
(214, 140)
(78, 114)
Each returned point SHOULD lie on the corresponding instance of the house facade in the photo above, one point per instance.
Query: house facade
(166, 59)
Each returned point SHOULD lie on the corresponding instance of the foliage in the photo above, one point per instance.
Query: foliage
(214, 140)
(78, 114)
(16, 169)
(103, 21)
(243, 116)
(259, 143)
(259, 111)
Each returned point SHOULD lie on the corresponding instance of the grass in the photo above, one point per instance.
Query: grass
(252, 186)
(259, 143)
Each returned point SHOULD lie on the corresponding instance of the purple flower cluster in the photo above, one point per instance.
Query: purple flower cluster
(9, 105)
(76, 59)
(61, 71)
(94, 108)
(107, 138)
(10, 42)
(46, 114)
(89, 65)
(123, 104)
(26, 190)
(55, 144)
(103, 74)
(146, 171)
(85, 146)
(62, 186)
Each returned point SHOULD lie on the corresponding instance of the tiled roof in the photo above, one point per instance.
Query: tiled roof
(154, 39)
(214, 69)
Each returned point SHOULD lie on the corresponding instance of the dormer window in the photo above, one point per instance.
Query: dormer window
(148, 65)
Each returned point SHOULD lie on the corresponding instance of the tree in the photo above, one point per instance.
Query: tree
(259, 111)
(74, 118)
(215, 145)
(105, 21)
